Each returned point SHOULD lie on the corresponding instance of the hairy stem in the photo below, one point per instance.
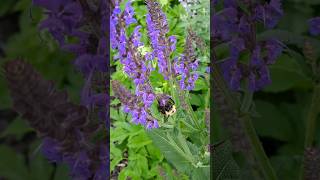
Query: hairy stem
(312, 116)
(247, 101)
(311, 123)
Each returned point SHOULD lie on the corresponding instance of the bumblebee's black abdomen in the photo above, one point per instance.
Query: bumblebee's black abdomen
(161, 110)
(166, 106)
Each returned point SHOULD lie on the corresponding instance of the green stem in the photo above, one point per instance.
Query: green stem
(311, 122)
(312, 116)
(247, 101)
(261, 156)
(190, 110)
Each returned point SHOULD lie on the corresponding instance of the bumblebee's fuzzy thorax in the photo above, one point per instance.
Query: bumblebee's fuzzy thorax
(166, 105)
(172, 111)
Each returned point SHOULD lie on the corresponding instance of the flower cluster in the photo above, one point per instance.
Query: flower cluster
(68, 19)
(64, 126)
(136, 65)
(162, 45)
(87, 23)
(185, 64)
(314, 26)
(135, 105)
(237, 28)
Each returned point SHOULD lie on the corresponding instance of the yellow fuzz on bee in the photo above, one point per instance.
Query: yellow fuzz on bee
(172, 111)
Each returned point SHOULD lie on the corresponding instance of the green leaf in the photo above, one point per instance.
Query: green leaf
(139, 140)
(12, 164)
(176, 154)
(272, 122)
(154, 152)
(118, 134)
(224, 166)
(287, 167)
(286, 73)
(195, 99)
(18, 128)
(164, 2)
(201, 173)
(200, 84)
(62, 172)
(40, 168)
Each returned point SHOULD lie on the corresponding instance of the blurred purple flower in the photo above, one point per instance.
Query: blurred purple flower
(314, 26)
(63, 17)
(259, 73)
(274, 49)
(51, 149)
(270, 13)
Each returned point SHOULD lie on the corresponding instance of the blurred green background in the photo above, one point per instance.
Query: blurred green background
(20, 155)
(281, 108)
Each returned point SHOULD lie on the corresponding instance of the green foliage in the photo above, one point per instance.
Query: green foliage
(279, 111)
(172, 151)
(224, 166)
(39, 49)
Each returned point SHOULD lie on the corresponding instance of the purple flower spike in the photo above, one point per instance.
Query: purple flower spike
(274, 49)
(137, 105)
(185, 64)
(259, 73)
(63, 17)
(270, 13)
(51, 149)
(70, 140)
(236, 27)
(173, 41)
(128, 14)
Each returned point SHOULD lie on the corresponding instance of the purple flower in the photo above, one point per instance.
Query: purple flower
(274, 49)
(136, 37)
(185, 65)
(232, 72)
(270, 13)
(152, 124)
(80, 164)
(244, 26)
(128, 14)
(87, 63)
(173, 41)
(63, 17)
(157, 30)
(236, 46)
(225, 23)
(51, 149)
(314, 26)
(137, 105)
(236, 27)
(259, 73)
(113, 27)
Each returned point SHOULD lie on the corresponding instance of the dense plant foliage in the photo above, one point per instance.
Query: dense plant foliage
(156, 62)
(266, 97)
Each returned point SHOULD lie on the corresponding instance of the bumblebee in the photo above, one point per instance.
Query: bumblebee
(166, 105)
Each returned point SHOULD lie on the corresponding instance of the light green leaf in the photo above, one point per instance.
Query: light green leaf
(18, 128)
(224, 167)
(286, 73)
(172, 150)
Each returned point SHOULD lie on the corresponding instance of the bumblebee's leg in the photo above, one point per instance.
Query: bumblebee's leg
(165, 118)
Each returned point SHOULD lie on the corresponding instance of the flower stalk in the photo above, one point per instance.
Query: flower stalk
(311, 124)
